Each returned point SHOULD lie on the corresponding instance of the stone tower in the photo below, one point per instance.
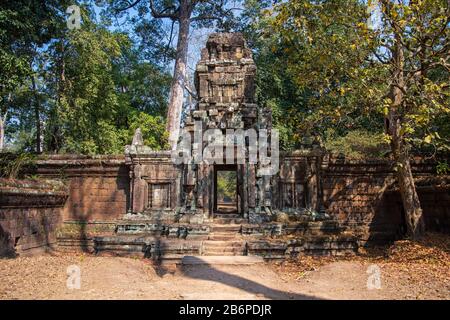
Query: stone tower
(187, 191)
(225, 83)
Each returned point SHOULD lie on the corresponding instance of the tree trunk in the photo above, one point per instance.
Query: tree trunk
(177, 88)
(410, 199)
(55, 136)
(2, 130)
(411, 203)
(37, 116)
(3, 116)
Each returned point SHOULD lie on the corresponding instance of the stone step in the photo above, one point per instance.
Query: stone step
(172, 258)
(221, 260)
(234, 228)
(222, 253)
(217, 251)
(223, 244)
(227, 215)
(120, 247)
(75, 245)
(230, 220)
(225, 248)
(222, 237)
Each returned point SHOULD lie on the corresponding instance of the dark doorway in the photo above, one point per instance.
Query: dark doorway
(225, 189)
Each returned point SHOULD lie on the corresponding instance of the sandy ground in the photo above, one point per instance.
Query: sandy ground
(45, 277)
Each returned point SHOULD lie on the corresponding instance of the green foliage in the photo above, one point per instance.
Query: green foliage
(12, 164)
(357, 144)
(422, 30)
(107, 140)
(442, 168)
(347, 69)
(326, 56)
(275, 88)
(319, 67)
(153, 130)
(89, 103)
(23, 25)
(143, 85)
(93, 85)
(226, 184)
(303, 51)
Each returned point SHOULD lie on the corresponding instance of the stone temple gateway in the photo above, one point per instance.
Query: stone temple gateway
(147, 204)
(181, 200)
(224, 80)
(225, 83)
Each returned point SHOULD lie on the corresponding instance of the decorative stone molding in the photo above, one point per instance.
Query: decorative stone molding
(154, 180)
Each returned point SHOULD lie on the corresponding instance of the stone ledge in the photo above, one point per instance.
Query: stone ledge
(218, 260)
(32, 193)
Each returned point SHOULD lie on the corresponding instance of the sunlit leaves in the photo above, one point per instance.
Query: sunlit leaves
(348, 66)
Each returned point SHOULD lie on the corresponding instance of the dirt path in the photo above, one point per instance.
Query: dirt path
(45, 277)
(349, 280)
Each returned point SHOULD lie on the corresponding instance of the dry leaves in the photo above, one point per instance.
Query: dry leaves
(411, 269)
(302, 266)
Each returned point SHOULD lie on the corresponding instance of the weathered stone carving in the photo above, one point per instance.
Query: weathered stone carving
(224, 81)
(138, 140)
(225, 84)
(154, 182)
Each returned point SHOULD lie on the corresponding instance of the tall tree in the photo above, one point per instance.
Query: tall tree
(25, 26)
(291, 97)
(83, 90)
(275, 88)
(400, 69)
(416, 43)
(199, 13)
(103, 88)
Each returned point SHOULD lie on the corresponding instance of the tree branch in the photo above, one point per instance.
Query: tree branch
(190, 91)
(217, 7)
(170, 41)
(3, 117)
(131, 5)
(162, 14)
(205, 17)
(379, 57)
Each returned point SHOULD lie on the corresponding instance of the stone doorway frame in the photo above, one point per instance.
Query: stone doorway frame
(226, 167)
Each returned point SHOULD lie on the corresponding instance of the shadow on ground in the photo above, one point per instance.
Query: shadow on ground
(210, 273)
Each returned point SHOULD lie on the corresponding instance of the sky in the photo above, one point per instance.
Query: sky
(197, 38)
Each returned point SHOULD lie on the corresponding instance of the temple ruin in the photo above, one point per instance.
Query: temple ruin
(146, 204)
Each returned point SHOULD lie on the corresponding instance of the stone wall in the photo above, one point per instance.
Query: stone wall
(98, 186)
(155, 183)
(30, 212)
(356, 193)
(360, 196)
(364, 194)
